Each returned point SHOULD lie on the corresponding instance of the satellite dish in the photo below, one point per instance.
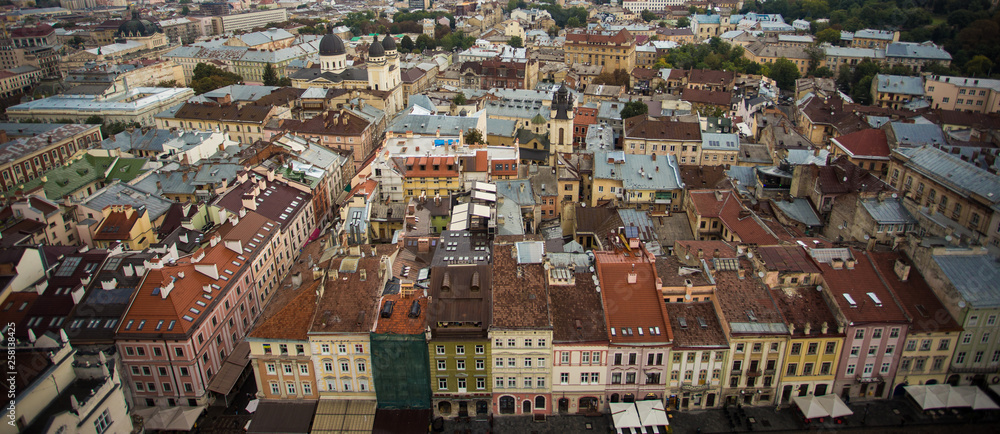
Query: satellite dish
(687, 256)
(819, 288)
(760, 274)
(894, 195)
(750, 255)
(867, 237)
(687, 296)
(947, 237)
(961, 304)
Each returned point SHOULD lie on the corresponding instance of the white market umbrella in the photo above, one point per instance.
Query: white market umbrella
(978, 398)
(625, 415)
(809, 407)
(252, 405)
(924, 398)
(833, 405)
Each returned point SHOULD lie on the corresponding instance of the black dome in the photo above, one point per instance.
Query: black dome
(137, 27)
(331, 45)
(388, 43)
(376, 50)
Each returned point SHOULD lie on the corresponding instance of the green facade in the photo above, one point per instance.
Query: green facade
(401, 371)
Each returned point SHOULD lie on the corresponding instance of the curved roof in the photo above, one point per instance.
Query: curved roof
(137, 27)
(376, 50)
(331, 45)
(388, 43)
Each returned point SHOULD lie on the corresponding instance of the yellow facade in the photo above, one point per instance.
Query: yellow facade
(283, 369)
(809, 367)
(752, 377)
(431, 186)
(926, 358)
(343, 365)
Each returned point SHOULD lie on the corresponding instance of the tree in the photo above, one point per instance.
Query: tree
(516, 42)
(270, 76)
(573, 22)
(648, 16)
(979, 66)
(185, 11)
(862, 93)
(425, 42)
(553, 31)
(823, 72)
(284, 82)
(94, 120)
(784, 72)
(473, 137)
(407, 44)
(634, 108)
(830, 35)
(683, 22)
(167, 83)
(209, 77)
(459, 99)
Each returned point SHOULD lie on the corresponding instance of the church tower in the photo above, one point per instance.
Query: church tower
(561, 125)
(332, 55)
(378, 68)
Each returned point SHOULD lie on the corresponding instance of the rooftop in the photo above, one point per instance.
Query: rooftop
(857, 288)
(927, 313)
(744, 301)
(520, 292)
(974, 277)
(633, 307)
(695, 325)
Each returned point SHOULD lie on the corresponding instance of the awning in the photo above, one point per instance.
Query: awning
(286, 417)
(926, 398)
(342, 416)
(169, 419)
(231, 369)
(809, 407)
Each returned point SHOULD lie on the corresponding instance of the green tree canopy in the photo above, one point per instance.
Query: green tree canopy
(784, 72)
(459, 99)
(634, 108)
(209, 77)
(683, 22)
(473, 136)
(407, 44)
(648, 16)
(270, 76)
(515, 41)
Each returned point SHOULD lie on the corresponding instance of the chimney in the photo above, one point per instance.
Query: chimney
(437, 200)
(837, 264)
(184, 176)
(902, 270)
(850, 264)
(816, 151)
(633, 277)
(742, 273)
(718, 195)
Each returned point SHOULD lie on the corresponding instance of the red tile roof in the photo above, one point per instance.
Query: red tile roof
(702, 96)
(520, 292)
(690, 333)
(290, 311)
(744, 300)
(734, 216)
(805, 305)
(629, 307)
(577, 314)
(446, 167)
(857, 283)
(865, 143)
(118, 224)
(926, 311)
(400, 322)
(787, 258)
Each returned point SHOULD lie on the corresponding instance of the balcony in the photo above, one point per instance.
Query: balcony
(876, 378)
(754, 373)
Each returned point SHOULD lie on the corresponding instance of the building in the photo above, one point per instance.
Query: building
(171, 354)
(610, 50)
(579, 335)
(124, 225)
(663, 136)
(244, 124)
(698, 357)
(981, 95)
(340, 130)
(869, 38)
(27, 158)
(719, 215)
(232, 23)
(380, 81)
(896, 91)
(521, 330)
(758, 335)
(460, 317)
(61, 388)
(815, 336)
(640, 332)
(429, 176)
(944, 184)
(933, 335)
(138, 104)
(868, 149)
(875, 326)
(643, 182)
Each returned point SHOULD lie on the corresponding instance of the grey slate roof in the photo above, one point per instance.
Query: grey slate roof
(720, 142)
(974, 276)
(516, 190)
(800, 210)
(900, 84)
(501, 127)
(888, 212)
(953, 172)
(926, 50)
(123, 194)
(627, 169)
(429, 124)
(241, 92)
(917, 134)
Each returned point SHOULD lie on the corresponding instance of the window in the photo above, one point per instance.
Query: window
(362, 367)
(291, 387)
(616, 378)
(586, 358)
(877, 334)
(884, 369)
(911, 345)
(460, 365)
(440, 349)
(757, 347)
(460, 349)
(345, 366)
(442, 365)
(967, 338)
(541, 362)
(792, 369)
(564, 378)
(740, 347)
(480, 364)
(461, 383)
(831, 347)
(103, 422)
(307, 389)
(824, 369)
(267, 348)
(480, 349)
(850, 369)
(275, 390)
(872, 350)
(855, 350)
(442, 383)
(511, 342)
(869, 367)
(889, 349)
(498, 342)
(996, 357)
(978, 358)
(270, 368)
(796, 348)
(807, 369)
(564, 357)
(541, 342)
(288, 369)
(324, 348)
(498, 383)
(859, 334)
(894, 332)
(480, 383)
(991, 320)
(960, 357)
(631, 358)
(304, 369)
(328, 366)
(986, 338)
(943, 345)
(511, 382)
(360, 349)
(925, 345)
(813, 348)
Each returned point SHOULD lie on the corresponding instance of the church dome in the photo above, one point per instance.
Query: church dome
(388, 43)
(137, 27)
(331, 45)
(376, 50)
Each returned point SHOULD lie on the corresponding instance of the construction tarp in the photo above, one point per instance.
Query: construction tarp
(410, 369)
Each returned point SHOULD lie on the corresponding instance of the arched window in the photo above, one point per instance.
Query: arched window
(540, 402)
